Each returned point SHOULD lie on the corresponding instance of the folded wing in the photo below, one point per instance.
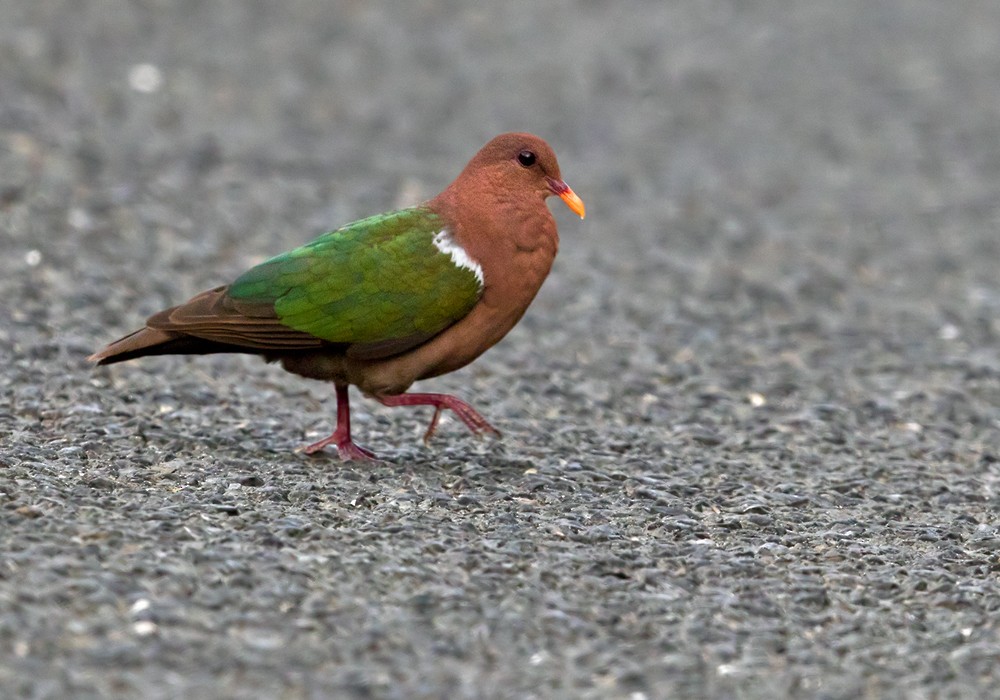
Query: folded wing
(376, 287)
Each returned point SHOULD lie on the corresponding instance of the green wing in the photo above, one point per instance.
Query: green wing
(376, 280)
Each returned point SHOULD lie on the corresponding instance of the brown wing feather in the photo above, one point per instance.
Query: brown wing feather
(215, 316)
(215, 322)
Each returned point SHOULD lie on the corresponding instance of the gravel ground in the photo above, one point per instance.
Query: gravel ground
(751, 422)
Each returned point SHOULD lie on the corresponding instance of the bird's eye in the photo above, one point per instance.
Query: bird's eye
(526, 158)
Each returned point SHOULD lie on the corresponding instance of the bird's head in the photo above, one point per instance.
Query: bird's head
(517, 164)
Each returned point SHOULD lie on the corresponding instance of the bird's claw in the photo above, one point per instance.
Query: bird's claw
(466, 413)
(348, 450)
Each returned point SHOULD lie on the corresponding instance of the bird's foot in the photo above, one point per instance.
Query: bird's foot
(466, 413)
(341, 437)
(348, 450)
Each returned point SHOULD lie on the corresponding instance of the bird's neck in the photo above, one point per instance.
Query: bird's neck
(489, 222)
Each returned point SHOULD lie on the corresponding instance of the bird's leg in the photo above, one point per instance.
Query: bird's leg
(341, 437)
(468, 415)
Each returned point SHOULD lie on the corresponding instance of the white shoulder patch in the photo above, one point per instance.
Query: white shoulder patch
(448, 245)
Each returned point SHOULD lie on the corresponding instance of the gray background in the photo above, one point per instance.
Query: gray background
(751, 422)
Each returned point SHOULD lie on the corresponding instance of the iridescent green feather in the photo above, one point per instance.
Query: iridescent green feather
(377, 279)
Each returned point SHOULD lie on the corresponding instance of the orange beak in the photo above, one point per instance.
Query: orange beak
(567, 195)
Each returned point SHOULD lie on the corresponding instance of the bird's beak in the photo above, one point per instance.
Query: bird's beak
(567, 195)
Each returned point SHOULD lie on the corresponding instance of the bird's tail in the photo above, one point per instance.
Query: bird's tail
(146, 341)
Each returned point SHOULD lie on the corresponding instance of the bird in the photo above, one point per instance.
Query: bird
(390, 299)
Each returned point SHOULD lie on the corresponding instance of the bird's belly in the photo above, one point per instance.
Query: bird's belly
(448, 351)
(325, 366)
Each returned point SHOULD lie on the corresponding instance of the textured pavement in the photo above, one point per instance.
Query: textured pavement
(751, 423)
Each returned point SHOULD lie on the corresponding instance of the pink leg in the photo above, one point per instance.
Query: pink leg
(468, 415)
(341, 437)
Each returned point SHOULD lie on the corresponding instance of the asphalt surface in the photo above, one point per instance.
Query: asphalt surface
(751, 422)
